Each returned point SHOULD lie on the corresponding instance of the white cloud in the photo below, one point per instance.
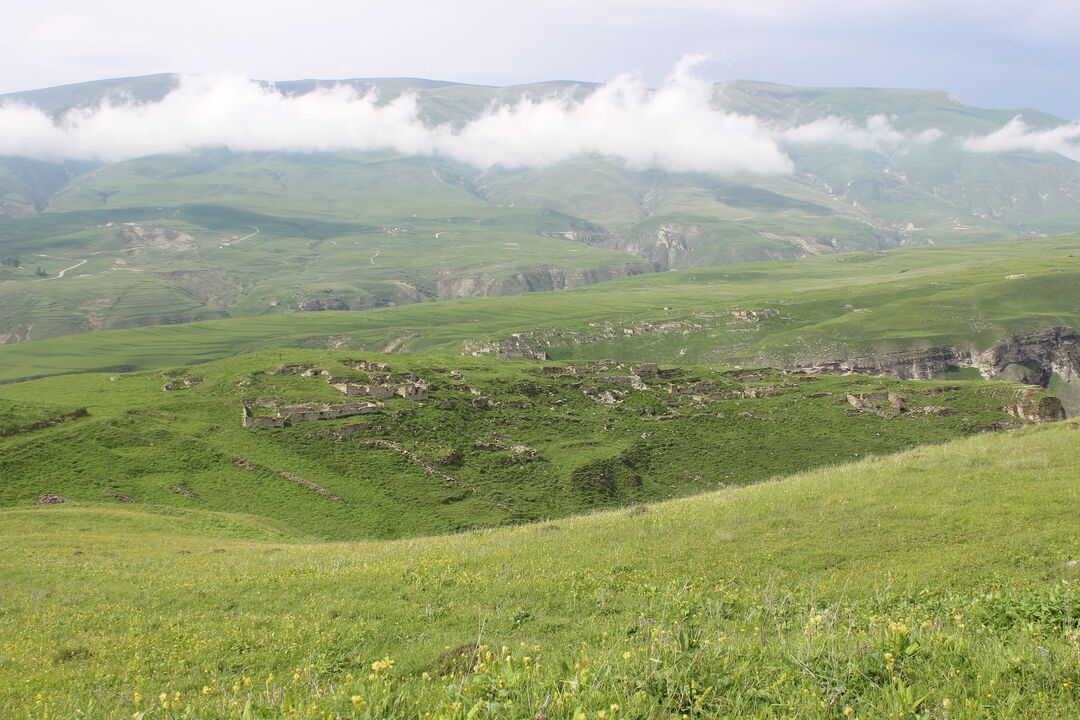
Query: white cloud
(675, 127)
(876, 134)
(1017, 135)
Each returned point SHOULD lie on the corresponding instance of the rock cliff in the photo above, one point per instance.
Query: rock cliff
(1033, 358)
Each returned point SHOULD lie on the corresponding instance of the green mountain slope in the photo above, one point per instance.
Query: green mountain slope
(356, 231)
(937, 584)
(169, 240)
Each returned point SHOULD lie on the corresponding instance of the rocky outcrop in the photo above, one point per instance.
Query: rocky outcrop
(585, 237)
(1032, 358)
(883, 404)
(81, 412)
(312, 486)
(449, 285)
(49, 499)
(1036, 405)
(141, 238)
(185, 492)
(1055, 350)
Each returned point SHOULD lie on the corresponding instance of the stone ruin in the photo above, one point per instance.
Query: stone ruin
(304, 412)
(884, 404)
(381, 385)
(416, 390)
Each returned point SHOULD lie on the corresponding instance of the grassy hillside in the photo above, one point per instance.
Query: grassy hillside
(934, 584)
(175, 239)
(820, 308)
(490, 443)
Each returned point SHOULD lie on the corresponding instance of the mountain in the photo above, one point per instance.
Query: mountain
(213, 233)
(786, 436)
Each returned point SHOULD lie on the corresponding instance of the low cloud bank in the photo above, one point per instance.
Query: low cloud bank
(876, 134)
(674, 127)
(1017, 135)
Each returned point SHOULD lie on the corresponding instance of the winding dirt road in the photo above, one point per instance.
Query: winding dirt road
(61, 273)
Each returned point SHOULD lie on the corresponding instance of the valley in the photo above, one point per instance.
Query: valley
(341, 447)
(402, 399)
(817, 313)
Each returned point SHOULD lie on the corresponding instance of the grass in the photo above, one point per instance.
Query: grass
(829, 307)
(575, 450)
(932, 584)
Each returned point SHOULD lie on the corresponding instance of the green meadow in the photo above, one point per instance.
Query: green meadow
(932, 584)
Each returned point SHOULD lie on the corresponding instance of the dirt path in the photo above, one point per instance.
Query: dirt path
(397, 342)
(61, 273)
(251, 235)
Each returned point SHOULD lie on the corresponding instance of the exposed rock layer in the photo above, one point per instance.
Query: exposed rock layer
(1033, 358)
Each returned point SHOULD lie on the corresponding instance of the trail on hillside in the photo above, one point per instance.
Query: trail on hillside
(396, 343)
(61, 273)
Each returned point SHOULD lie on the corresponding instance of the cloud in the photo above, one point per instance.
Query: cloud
(877, 134)
(675, 126)
(1017, 135)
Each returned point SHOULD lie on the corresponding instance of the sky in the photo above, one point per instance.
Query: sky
(989, 53)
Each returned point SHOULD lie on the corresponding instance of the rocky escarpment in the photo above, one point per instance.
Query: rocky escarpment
(1033, 358)
(1039, 354)
(449, 285)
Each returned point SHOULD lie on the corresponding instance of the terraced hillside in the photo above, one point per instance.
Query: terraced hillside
(210, 233)
(336, 446)
(939, 583)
